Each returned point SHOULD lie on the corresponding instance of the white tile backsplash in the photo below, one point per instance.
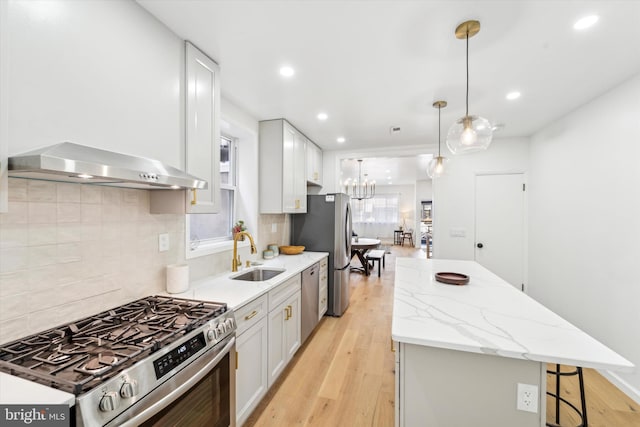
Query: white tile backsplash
(91, 194)
(69, 212)
(14, 283)
(41, 191)
(42, 234)
(17, 213)
(42, 213)
(91, 213)
(72, 250)
(18, 191)
(68, 193)
(13, 235)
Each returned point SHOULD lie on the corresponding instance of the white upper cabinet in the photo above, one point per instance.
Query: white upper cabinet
(202, 139)
(314, 164)
(202, 123)
(283, 182)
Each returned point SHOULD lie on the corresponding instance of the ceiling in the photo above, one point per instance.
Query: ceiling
(371, 65)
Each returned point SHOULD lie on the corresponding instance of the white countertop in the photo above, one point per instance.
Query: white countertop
(17, 391)
(488, 316)
(220, 288)
(236, 293)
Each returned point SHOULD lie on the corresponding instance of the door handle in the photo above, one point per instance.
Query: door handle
(480, 245)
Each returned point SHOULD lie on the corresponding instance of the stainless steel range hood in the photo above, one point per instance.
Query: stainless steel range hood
(69, 162)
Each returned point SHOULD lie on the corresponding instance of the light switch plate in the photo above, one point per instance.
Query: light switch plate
(274, 228)
(163, 242)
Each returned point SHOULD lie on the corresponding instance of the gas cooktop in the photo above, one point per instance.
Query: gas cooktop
(78, 356)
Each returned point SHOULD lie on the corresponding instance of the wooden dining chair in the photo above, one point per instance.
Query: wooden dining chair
(407, 235)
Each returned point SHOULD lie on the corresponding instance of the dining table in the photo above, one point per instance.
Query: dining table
(359, 248)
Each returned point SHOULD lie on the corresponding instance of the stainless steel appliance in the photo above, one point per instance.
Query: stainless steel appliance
(154, 359)
(82, 164)
(326, 227)
(310, 298)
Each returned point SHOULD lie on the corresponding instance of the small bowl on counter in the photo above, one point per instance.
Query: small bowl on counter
(291, 250)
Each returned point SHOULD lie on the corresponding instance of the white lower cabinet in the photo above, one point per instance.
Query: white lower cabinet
(284, 325)
(251, 374)
(267, 337)
(251, 353)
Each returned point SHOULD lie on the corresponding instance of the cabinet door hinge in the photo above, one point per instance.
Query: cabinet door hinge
(522, 287)
(524, 187)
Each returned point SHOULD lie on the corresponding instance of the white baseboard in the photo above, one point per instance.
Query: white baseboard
(624, 386)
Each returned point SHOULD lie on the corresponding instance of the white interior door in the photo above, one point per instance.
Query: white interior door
(500, 225)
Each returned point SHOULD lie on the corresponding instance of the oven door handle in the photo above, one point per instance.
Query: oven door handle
(166, 400)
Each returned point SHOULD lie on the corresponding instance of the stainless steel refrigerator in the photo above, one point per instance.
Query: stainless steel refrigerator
(326, 227)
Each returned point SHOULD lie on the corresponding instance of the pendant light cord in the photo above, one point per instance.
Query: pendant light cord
(467, 100)
(439, 108)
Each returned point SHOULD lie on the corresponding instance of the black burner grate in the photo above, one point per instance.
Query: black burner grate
(78, 356)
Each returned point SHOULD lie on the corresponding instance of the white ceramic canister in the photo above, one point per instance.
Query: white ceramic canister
(274, 248)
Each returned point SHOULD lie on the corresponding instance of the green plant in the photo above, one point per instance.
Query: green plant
(238, 227)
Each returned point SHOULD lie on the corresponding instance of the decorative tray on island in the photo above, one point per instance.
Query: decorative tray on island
(452, 278)
(291, 250)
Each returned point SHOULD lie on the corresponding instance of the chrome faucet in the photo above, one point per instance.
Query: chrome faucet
(235, 263)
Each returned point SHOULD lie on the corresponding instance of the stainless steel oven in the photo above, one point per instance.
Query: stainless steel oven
(201, 394)
(157, 361)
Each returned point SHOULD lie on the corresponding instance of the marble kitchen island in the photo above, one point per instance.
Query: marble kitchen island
(462, 350)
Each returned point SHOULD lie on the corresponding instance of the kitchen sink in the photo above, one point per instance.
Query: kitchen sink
(258, 274)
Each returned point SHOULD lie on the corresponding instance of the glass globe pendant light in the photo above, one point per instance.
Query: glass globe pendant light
(469, 133)
(436, 166)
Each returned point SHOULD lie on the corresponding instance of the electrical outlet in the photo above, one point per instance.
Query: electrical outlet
(274, 228)
(527, 398)
(457, 232)
(163, 242)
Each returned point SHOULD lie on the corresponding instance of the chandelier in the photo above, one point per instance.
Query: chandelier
(360, 189)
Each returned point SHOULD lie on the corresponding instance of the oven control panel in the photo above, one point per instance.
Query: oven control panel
(179, 355)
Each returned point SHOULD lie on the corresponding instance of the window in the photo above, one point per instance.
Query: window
(383, 208)
(208, 230)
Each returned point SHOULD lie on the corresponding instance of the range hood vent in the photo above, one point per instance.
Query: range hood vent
(69, 162)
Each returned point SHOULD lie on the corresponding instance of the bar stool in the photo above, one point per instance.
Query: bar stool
(583, 415)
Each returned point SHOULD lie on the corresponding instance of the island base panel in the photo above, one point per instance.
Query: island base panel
(439, 387)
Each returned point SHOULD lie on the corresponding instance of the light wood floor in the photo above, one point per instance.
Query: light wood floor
(344, 374)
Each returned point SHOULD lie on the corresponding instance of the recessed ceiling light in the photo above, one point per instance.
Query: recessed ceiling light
(287, 71)
(323, 116)
(513, 95)
(388, 171)
(341, 139)
(585, 22)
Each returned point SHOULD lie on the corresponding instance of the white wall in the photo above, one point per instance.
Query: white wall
(584, 221)
(101, 73)
(454, 194)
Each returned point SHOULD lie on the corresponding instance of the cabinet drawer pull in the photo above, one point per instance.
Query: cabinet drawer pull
(286, 310)
(193, 198)
(393, 350)
(249, 316)
(297, 204)
(236, 360)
